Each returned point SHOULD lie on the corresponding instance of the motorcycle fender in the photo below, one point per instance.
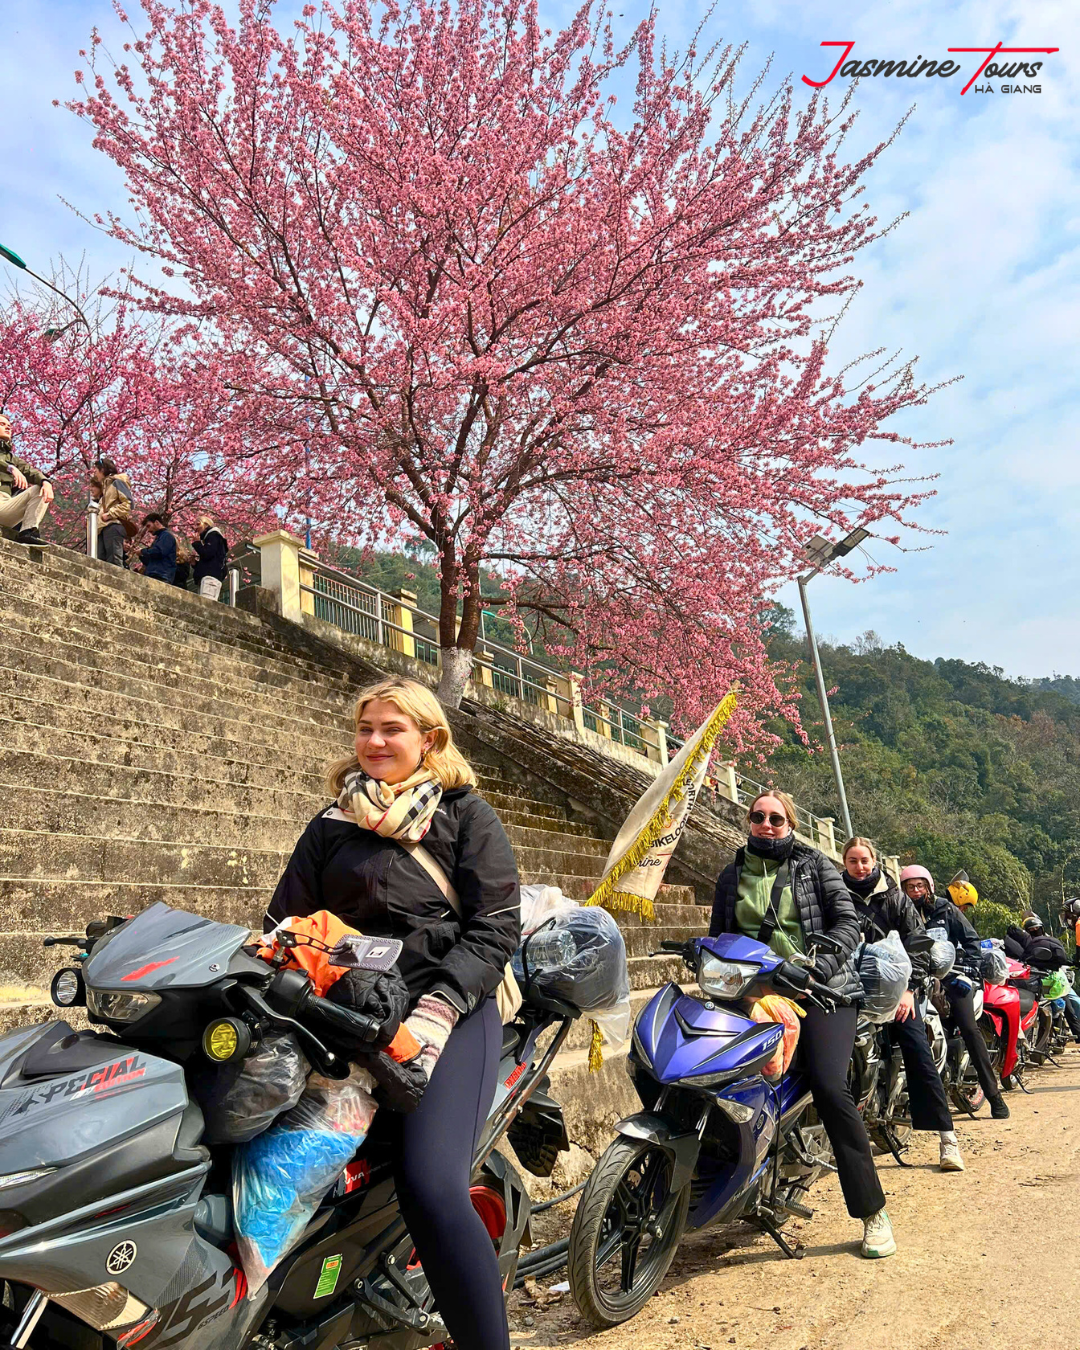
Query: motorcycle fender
(683, 1148)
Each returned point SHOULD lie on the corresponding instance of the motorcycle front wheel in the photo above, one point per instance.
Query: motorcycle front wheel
(626, 1231)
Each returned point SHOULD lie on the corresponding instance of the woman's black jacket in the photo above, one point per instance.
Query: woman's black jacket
(374, 885)
(889, 908)
(939, 913)
(213, 553)
(823, 904)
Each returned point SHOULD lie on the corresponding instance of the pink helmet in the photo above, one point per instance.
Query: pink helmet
(916, 873)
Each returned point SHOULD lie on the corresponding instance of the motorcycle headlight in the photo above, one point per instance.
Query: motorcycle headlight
(726, 979)
(112, 1006)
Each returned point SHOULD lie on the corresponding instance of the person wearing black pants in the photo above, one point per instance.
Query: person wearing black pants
(433, 1151)
(918, 885)
(458, 916)
(784, 893)
(826, 1043)
(882, 907)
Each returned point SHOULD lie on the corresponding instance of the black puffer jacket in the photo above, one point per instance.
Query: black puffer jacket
(1041, 952)
(886, 908)
(376, 886)
(939, 913)
(823, 903)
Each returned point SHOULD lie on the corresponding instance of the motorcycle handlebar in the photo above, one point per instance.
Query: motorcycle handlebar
(341, 1022)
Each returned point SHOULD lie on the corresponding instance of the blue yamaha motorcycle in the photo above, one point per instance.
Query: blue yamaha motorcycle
(717, 1141)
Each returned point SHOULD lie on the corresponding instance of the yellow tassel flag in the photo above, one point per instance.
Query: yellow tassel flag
(642, 850)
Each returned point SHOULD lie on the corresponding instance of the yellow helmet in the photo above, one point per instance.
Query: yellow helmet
(962, 892)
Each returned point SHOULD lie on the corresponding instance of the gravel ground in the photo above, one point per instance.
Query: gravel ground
(986, 1257)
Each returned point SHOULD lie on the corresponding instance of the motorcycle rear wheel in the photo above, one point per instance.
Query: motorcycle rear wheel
(626, 1231)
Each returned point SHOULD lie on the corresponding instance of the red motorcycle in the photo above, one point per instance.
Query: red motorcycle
(1016, 1025)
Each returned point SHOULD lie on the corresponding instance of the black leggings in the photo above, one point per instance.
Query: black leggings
(926, 1092)
(963, 1019)
(433, 1151)
(826, 1042)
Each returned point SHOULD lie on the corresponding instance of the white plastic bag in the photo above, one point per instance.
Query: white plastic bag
(885, 970)
(280, 1177)
(540, 903)
(942, 953)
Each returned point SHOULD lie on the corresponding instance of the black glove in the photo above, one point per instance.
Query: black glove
(400, 1086)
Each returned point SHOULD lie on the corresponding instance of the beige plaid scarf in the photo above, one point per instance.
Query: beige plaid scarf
(394, 810)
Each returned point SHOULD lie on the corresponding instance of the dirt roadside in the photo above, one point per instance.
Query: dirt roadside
(986, 1259)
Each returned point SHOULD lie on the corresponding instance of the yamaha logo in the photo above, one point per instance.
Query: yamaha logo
(121, 1257)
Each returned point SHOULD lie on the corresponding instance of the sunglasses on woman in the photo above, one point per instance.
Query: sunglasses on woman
(759, 818)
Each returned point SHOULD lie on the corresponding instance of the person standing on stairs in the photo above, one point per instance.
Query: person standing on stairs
(212, 551)
(25, 492)
(116, 520)
(781, 892)
(159, 559)
(881, 906)
(405, 782)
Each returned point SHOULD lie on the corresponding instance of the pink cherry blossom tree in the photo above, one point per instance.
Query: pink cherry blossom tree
(583, 343)
(138, 391)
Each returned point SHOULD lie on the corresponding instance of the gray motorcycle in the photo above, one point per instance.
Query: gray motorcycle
(115, 1217)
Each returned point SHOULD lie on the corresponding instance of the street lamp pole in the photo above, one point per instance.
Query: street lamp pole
(820, 552)
(823, 699)
(13, 258)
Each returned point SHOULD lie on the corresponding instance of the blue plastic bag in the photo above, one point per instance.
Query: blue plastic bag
(280, 1177)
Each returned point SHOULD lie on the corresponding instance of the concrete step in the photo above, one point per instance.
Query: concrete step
(34, 855)
(141, 605)
(61, 907)
(171, 690)
(103, 815)
(650, 972)
(186, 784)
(178, 667)
(46, 623)
(102, 749)
(110, 707)
(45, 708)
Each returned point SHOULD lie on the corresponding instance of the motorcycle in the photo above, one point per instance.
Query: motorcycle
(961, 1081)
(1016, 1026)
(716, 1141)
(116, 1224)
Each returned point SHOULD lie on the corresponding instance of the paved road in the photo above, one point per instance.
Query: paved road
(988, 1258)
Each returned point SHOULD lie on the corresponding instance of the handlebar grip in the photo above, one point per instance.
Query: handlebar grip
(798, 977)
(672, 945)
(343, 1023)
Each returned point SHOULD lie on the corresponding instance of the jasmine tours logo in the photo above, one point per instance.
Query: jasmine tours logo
(990, 68)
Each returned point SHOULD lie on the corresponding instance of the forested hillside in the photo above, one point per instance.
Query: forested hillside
(948, 764)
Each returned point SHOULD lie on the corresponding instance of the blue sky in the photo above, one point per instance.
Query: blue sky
(981, 280)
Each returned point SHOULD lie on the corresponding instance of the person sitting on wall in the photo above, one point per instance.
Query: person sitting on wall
(25, 492)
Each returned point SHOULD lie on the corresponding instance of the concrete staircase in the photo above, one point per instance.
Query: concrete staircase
(157, 746)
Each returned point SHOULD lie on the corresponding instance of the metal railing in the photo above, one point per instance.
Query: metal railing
(365, 611)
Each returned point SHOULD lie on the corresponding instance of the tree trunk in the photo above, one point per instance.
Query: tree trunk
(457, 664)
(457, 640)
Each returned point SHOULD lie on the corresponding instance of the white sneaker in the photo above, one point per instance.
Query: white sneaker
(878, 1237)
(951, 1159)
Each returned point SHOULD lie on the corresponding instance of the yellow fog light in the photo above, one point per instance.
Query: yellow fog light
(226, 1039)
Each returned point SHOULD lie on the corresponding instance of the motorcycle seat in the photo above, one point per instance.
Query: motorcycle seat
(1027, 1001)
